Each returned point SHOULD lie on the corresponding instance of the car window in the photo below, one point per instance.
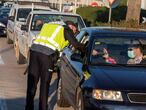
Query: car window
(82, 37)
(22, 14)
(118, 50)
(46, 18)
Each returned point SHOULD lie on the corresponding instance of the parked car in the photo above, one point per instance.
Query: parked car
(30, 30)
(18, 15)
(90, 81)
(4, 11)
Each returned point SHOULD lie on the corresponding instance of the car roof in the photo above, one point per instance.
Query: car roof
(36, 6)
(53, 12)
(115, 30)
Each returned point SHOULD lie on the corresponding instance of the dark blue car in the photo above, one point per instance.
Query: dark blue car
(110, 75)
(4, 11)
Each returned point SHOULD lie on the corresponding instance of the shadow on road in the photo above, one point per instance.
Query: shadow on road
(19, 103)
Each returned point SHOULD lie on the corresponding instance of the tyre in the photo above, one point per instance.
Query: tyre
(80, 100)
(9, 41)
(61, 101)
(19, 57)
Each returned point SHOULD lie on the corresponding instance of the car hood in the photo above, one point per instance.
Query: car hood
(116, 78)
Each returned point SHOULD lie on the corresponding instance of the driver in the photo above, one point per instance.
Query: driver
(39, 24)
(101, 50)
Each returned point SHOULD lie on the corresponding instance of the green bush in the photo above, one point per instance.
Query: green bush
(119, 13)
(91, 15)
(123, 24)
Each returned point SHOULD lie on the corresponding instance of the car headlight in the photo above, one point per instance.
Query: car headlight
(107, 95)
(2, 25)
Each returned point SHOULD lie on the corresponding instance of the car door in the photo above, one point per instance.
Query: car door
(71, 71)
(25, 37)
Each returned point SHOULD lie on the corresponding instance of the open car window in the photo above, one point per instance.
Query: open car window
(118, 51)
(82, 37)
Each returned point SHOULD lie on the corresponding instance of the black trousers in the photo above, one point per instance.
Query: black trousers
(39, 69)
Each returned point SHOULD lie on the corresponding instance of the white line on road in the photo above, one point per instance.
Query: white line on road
(1, 60)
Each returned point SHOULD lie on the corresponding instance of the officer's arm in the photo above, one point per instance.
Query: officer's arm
(69, 35)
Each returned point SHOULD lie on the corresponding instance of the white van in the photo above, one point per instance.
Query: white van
(29, 30)
(18, 15)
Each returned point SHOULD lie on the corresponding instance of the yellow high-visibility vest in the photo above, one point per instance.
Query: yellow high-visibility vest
(52, 36)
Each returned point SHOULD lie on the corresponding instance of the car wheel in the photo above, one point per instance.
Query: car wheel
(80, 101)
(9, 41)
(19, 57)
(61, 102)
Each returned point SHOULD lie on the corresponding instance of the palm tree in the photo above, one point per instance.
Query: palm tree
(133, 12)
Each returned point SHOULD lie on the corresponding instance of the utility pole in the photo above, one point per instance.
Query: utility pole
(75, 8)
(110, 14)
(133, 13)
(61, 2)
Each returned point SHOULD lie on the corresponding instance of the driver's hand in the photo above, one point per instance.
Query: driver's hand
(106, 55)
(94, 52)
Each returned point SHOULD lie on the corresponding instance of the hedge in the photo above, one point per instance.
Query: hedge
(93, 14)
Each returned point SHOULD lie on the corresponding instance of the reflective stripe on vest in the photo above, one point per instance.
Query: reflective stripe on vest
(50, 40)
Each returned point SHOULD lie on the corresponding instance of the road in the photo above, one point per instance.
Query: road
(13, 82)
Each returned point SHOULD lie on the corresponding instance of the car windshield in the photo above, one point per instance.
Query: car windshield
(22, 14)
(40, 19)
(118, 51)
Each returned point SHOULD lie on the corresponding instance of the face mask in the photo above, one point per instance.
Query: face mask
(131, 54)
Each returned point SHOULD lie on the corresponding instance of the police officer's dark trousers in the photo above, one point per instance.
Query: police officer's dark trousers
(39, 69)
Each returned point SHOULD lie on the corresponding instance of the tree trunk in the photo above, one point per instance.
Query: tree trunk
(133, 12)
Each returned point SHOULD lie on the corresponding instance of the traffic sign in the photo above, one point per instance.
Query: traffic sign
(94, 4)
(111, 3)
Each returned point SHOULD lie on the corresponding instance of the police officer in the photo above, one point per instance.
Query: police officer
(44, 54)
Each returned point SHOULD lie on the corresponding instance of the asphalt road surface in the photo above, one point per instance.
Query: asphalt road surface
(13, 82)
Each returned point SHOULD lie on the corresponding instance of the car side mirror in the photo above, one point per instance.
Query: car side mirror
(76, 57)
(24, 27)
(12, 18)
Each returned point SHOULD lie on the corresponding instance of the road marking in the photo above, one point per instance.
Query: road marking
(1, 60)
